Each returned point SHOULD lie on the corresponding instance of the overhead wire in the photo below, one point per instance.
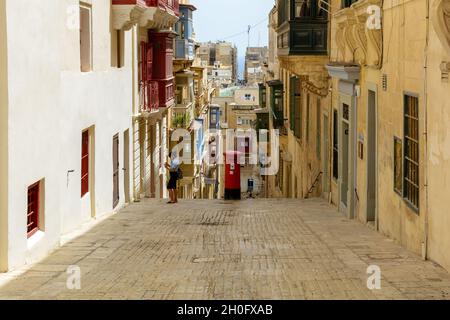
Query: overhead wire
(246, 31)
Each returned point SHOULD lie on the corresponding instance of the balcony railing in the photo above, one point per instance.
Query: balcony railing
(183, 115)
(149, 93)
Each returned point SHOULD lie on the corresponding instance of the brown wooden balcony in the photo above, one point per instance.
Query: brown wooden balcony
(302, 28)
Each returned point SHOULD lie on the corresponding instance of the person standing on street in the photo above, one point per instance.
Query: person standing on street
(173, 167)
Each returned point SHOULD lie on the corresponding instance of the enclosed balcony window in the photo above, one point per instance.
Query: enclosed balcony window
(303, 29)
(309, 8)
(348, 3)
(277, 104)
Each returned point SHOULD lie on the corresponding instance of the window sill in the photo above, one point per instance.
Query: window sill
(412, 207)
(35, 239)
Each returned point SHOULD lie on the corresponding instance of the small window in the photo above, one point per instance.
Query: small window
(213, 118)
(335, 146)
(247, 145)
(398, 165)
(292, 84)
(297, 109)
(85, 163)
(33, 209)
(347, 3)
(318, 129)
(117, 48)
(308, 102)
(86, 38)
(411, 151)
(180, 94)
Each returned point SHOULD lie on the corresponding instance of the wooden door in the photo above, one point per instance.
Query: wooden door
(116, 196)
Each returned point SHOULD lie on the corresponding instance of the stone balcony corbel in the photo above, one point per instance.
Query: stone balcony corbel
(355, 41)
(158, 18)
(342, 31)
(124, 16)
(370, 37)
(440, 16)
(126, 13)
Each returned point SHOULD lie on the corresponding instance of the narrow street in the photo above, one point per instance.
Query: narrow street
(254, 249)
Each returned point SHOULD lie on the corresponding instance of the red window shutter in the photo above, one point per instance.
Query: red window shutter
(85, 163)
(143, 62)
(247, 145)
(149, 67)
(33, 210)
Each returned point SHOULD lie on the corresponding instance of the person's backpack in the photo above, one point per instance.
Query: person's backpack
(180, 174)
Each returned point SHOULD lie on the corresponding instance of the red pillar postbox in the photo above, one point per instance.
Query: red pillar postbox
(232, 176)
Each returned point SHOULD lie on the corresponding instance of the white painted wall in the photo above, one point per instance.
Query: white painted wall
(50, 103)
(3, 141)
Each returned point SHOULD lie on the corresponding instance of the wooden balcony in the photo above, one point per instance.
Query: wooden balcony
(149, 96)
(166, 93)
(153, 14)
(184, 50)
(172, 6)
(162, 67)
(302, 28)
(183, 115)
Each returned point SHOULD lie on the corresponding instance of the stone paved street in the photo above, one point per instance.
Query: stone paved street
(254, 249)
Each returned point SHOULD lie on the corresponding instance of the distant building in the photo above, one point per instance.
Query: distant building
(255, 60)
(221, 60)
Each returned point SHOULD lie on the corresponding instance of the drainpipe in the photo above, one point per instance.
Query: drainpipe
(425, 243)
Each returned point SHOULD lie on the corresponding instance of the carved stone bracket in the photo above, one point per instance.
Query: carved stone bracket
(126, 16)
(440, 15)
(356, 41)
(308, 86)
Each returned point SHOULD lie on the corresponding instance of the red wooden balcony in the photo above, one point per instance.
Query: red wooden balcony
(162, 65)
(167, 93)
(159, 14)
(168, 5)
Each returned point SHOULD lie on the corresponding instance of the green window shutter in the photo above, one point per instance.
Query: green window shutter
(318, 130)
(292, 86)
(298, 109)
(308, 102)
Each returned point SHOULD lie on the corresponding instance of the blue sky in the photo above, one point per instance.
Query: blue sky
(220, 19)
